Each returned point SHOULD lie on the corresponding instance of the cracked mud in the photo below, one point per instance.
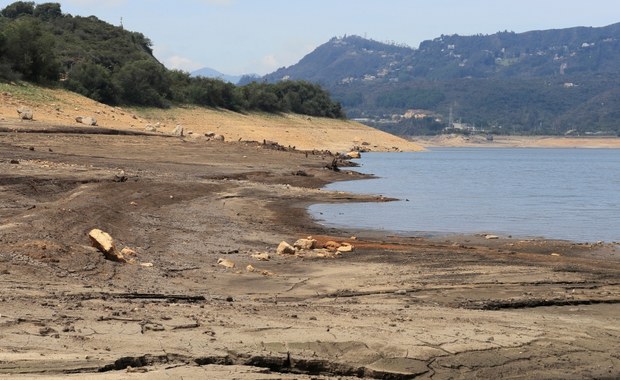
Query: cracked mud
(394, 308)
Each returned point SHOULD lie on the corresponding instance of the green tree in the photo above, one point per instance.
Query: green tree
(17, 9)
(144, 83)
(30, 50)
(94, 81)
(47, 11)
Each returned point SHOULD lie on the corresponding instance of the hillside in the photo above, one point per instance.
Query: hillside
(61, 107)
(537, 82)
(41, 44)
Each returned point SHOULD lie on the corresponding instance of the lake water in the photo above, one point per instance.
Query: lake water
(571, 194)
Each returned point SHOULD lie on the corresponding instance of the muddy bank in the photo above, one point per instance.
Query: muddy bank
(393, 307)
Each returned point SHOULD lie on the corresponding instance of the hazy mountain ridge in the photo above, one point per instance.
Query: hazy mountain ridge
(538, 75)
(208, 72)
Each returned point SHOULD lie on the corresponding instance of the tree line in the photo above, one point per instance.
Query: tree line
(41, 44)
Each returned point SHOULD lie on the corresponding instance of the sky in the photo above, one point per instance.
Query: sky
(258, 36)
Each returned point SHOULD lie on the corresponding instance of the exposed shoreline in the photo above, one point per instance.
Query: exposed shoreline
(518, 142)
(398, 307)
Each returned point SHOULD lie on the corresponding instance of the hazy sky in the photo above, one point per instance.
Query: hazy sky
(258, 36)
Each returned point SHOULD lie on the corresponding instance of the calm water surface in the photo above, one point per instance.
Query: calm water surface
(569, 194)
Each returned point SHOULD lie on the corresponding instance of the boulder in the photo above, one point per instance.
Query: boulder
(218, 138)
(226, 263)
(345, 247)
(261, 256)
(178, 131)
(331, 245)
(105, 244)
(86, 120)
(285, 248)
(354, 154)
(305, 244)
(25, 113)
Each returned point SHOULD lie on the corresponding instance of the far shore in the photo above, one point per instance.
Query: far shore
(518, 141)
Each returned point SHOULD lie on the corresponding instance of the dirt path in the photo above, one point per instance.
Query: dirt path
(395, 307)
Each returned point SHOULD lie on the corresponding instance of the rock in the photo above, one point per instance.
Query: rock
(218, 138)
(250, 268)
(105, 244)
(128, 251)
(345, 247)
(261, 256)
(331, 245)
(147, 265)
(210, 134)
(285, 248)
(491, 237)
(325, 253)
(47, 331)
(226, 263)
(150, 128)
(305, 244)
(25, 113)
(178, 131)
(86, 120)
(89, 121)
(354, 155)
(555, 254)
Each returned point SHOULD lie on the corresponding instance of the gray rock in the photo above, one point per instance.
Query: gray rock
(178, 131)
(25, 113)
(86, 120)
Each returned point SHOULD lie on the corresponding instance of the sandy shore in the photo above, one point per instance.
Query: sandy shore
(519, 142)
(394, 307)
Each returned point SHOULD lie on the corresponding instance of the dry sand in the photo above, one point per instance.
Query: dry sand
(393, 308)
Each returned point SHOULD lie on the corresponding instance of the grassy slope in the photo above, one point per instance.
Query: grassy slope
(62, 107)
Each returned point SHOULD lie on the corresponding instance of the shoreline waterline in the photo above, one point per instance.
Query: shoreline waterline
(558, 194)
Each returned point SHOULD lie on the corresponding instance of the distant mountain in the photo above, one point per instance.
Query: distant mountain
(551, 81)
(208, 72)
